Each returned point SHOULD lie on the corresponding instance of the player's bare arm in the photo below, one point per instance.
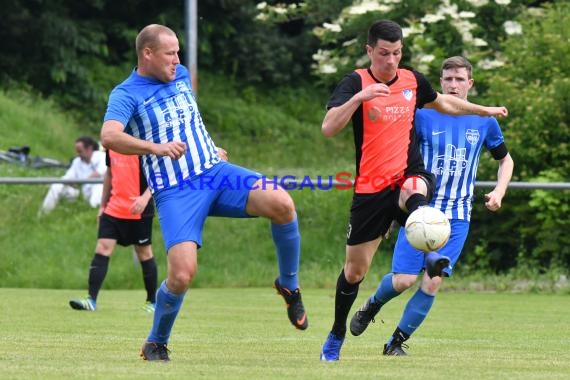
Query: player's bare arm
(113, 137)
(106, 192)
(453, 105)
(494, 198)
(139, 203)
(338, 117)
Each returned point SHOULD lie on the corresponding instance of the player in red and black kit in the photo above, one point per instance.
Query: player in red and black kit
(125, 218)
(391, 178)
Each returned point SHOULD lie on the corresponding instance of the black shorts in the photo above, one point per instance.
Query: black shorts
(372, 214)
(126, 231)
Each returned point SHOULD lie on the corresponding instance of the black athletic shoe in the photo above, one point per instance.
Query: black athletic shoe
(362, 318)
(395, 349)
(435, 264)
(295, 309)
(155, 352)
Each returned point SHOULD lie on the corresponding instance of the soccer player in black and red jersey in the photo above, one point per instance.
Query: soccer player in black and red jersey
(391, 178)
(125, 218)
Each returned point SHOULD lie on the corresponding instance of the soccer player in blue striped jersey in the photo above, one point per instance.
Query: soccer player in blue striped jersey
(153, 114)
(451, 147)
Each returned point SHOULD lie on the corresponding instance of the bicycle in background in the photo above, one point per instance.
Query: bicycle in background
(21, 156)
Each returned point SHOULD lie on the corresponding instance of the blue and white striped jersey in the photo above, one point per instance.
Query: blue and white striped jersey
(451, 147)
(162, 112)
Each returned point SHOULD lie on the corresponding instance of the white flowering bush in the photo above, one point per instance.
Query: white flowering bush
(433, 30)
(279, 12)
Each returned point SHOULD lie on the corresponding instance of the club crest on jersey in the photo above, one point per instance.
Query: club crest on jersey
(181, 86)
(472, 136)
(374, 113)
(408, 94)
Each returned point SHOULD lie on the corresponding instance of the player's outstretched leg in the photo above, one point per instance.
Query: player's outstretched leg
(167, 307)
(150, 279)
(414, 314)
(97, 272)
(345, 296)
(288, 246)
(368, 311)
(362, 318)
(295, 308)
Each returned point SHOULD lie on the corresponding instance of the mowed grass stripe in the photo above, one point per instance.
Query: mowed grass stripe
(244, 334)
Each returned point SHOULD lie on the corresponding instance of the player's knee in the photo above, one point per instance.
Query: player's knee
(431, 285)
(144, 253)
(104, 248)
(283, 209)
(178, 282)
(354, 274)
(404, 281)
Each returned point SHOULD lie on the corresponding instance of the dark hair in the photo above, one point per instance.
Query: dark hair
(88, 142)
(457, 62)
(384, 30)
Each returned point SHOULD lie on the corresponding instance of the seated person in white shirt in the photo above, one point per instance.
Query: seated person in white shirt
(89, 163)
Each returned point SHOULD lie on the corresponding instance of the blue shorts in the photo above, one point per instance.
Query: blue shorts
(221, 191)
(408, 260)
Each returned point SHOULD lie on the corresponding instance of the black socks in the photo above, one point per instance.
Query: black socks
(150, 276)
(97, 273)
(345, 296)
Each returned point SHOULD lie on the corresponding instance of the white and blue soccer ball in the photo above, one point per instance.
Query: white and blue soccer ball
(427, 229)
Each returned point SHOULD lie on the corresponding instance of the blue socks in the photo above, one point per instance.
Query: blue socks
(415, 312)
(167, 307)
(385, 291)
(288, 244)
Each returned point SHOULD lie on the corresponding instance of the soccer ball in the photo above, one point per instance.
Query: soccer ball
(427, 229)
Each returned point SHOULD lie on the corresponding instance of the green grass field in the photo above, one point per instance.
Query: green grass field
(244, 334)
(226, 331)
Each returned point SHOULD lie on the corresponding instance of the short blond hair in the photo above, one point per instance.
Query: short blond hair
(148, 37)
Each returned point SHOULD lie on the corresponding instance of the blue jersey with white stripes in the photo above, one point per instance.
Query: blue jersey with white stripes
(451, 147)
(162, 112)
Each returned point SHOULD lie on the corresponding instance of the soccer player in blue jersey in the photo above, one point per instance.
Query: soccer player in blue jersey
(153, 113)
(451, 146)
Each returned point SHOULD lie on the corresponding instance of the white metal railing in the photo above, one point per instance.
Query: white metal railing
(484, 184)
